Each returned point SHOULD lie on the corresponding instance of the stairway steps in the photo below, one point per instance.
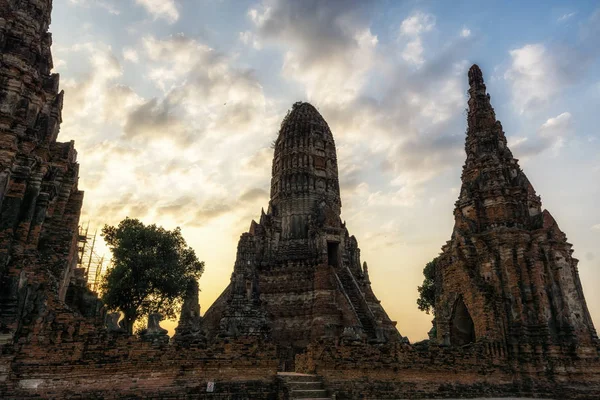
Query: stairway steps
(8, 307)
(312, 398)
(358, 302)
(304, 386)
(308, 394)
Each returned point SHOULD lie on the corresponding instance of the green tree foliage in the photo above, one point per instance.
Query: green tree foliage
(426, 300)
(150, 270)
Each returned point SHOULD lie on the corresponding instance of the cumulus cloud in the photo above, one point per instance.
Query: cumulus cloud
(250, 39)
(254, 194)
(166, 9)
(179, 157)
(155, 120)
(534, 76)
(130, 54)
(96, 95)
(329, 44)
(412, 28)
(417, 23)
(414, 123)
(108, 5)
(537, 72)
(203, 94)
(552, 134)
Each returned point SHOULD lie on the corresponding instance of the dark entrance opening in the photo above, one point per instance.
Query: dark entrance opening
(287, 357)
(333, 250)
(462, 330)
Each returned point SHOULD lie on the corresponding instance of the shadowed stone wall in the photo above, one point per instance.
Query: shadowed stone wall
(508, 266)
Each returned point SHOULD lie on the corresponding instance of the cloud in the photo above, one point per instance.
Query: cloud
(537, 73)
(250, 39)
(96, 95)
(260, 161)
(209, 212)
(417, 24)
(108, 5)
(566, 16)
(465, 32)
(254, 194)
(389, 234)
(328, 45)
(328, 48)
(203, 94)
(595, 227)
(155, 120)
(412, 28)
(533, 75)
(180, 156)
(552, 134)
(57, 64)
(130, 54)
(166, 9)
(420, 159)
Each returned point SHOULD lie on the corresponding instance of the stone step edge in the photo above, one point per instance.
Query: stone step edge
(294, 374)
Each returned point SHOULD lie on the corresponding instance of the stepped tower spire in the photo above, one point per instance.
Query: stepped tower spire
(507, 275)
(304, 173)
(298, 274)
(495, 191)
(40, 202)
(484, 134)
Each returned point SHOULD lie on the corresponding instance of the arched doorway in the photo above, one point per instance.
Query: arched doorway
(462, 330)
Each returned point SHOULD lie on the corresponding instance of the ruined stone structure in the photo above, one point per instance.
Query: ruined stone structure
(190, 330)
(509, 301)
(39, 199)
(298, 275)
(507, 275)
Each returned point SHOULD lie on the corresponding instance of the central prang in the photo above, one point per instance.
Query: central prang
(298, 275)
(305, 190)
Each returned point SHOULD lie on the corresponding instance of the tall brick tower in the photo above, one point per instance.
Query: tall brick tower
(507, 275)
(298, 275)
(39, 200)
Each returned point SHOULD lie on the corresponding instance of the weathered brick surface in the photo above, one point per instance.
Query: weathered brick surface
(39, 200)
(120, 366)
(507, 274)
(395, 371)
(297, 278)
(298, 275)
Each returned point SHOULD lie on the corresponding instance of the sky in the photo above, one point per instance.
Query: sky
(174, 104)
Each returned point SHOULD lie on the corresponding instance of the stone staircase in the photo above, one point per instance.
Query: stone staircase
(8, 313)
(358, 302)
(303, 386)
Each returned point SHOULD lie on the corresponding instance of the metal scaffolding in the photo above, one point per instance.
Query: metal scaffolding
(89, 259)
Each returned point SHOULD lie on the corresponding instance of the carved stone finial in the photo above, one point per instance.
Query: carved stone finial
(475, 76)
(366, 272)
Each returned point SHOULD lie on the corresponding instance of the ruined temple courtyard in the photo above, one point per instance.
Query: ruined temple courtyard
(300, 317)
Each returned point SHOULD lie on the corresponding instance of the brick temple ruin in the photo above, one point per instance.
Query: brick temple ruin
(508, 261)
(298, 275)
(511, 318)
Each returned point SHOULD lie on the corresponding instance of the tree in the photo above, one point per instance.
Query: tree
(426, 300)
(150, 270)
